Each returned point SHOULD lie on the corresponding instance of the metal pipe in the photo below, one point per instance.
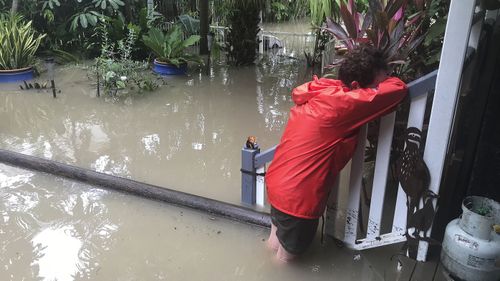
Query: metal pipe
(149, 191)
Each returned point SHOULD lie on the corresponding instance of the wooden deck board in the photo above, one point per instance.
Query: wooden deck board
(406, 271)
(424, 271)
(440, 275)
(387, 266)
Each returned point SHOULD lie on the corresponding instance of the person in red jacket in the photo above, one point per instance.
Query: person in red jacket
(319, 140)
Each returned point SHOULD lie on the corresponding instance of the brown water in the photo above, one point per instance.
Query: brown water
(56, 229)
(187, 135)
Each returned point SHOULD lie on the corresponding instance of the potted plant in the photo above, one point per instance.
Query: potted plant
(170, 50)
(18, 44)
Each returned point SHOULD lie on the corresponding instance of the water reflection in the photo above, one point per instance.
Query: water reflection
(71, 231)
(49, 232)
(187, 135)
(57, 254)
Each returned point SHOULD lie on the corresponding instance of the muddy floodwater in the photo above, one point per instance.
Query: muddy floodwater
(187, 135)
(56, 229)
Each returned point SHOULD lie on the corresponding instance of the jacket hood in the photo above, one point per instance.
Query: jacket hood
(305, 92)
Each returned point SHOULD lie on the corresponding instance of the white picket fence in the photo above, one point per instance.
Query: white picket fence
(344, 203)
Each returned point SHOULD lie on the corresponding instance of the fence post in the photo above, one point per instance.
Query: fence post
(261, 35)
(456, 40)
(248, 175)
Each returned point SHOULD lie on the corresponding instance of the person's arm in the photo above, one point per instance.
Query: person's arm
(361, 106)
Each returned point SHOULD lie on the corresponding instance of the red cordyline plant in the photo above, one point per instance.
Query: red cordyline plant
(383, 26)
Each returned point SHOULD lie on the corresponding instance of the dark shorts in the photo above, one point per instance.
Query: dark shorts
(295, 234)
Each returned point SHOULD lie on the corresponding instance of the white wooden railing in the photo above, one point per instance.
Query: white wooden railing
(344, 203)
(254, 164)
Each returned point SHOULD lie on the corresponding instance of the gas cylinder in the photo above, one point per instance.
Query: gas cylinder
(471, 245)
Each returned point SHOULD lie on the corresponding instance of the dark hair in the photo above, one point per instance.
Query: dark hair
(361, 65)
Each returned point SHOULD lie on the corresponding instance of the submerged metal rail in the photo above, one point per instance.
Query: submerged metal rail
(145, 190)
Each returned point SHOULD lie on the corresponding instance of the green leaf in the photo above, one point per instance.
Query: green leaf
(114, 5)
(83, 20)
(92, 19)
(434, 58)
(74, 23)
(170, 47)
(175, 62)
(191, 40)
(120, 84)
(436, 30)
(97, 14)
(174, 35)
(103, 4)
(18, 42)
(155, 40)
(109, 75)
(143, 18)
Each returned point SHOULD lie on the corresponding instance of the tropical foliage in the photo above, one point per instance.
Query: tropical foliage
(243, 29)
(383, 26)
(117, 71)
(18, 42)
(320, 10)
(170, 47)
(426, 56)
(70, 24)
(397, 26)
(392, 26)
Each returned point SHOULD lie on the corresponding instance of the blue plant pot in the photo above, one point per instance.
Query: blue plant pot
(168, 69)
(16, 75)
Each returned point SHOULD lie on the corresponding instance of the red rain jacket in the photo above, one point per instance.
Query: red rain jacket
(319, 140)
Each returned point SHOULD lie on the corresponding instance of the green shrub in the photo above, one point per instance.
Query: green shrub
(170, 47)
(117, 71)
(18, 42)
(242, 41)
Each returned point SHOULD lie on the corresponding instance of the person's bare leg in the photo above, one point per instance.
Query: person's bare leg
(283, 256)
(272, 242)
